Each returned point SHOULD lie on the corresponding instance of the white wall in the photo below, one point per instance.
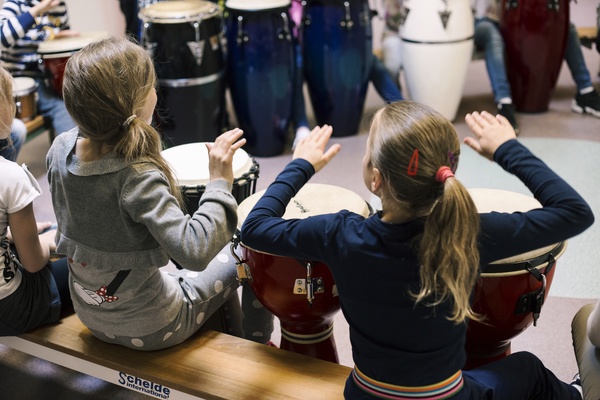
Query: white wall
(96, 15)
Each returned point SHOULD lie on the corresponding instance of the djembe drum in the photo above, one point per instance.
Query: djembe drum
(535, 36)
(189, 162)
(301, 293)
(437, 47)
(338, 53)
(261, 71)
(509, 293)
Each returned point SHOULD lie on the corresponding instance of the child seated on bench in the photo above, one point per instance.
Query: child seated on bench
(33, 291)
(119, 215)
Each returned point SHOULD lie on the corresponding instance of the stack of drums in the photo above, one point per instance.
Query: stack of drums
(535, 35)
(437, 47)
(338, 56)
(509, 293)
(184, 39)
(261, 71)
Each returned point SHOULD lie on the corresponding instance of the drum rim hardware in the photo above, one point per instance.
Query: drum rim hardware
(496, 269)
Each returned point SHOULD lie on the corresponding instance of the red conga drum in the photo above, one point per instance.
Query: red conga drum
(301, 293)
(55, 54)
(535, 35)
(509, 293)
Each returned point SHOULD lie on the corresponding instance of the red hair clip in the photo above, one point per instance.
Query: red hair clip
(413, 166)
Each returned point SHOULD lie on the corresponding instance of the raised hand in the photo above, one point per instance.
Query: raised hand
(220, 154)
(490, 132)
(312, 147)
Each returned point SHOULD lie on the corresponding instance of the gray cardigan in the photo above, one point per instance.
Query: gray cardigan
(118, 224)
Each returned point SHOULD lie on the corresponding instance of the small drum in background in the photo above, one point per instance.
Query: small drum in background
(25, 95)
(437, 47)
(55, 54)
(338, 54)
(535, 37)
(301, 293)
(184, 40)
(189, 163)
(261, 71)
(510, 292)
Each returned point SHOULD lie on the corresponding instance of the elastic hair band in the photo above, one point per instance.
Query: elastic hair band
(128, 120)
(443, 173)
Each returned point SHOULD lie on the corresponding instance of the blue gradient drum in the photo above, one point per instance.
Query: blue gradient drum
(260, 71)
(184, 39)
(337, 39)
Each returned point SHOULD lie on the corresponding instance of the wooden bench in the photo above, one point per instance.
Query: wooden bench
(37, 126)
(209, 365)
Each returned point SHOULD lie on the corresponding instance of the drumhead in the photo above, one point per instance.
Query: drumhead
(312, 199)
(67, 46)
(169, 12)
(488, 200)
(251, 5)
(190, 163)
(22, 86)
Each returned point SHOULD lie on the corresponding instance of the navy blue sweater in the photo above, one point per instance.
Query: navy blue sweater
(375, 265)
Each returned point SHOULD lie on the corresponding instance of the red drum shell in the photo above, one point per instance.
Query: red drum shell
(535, 38)
(55, 54)
(503, 282)
(306, 327)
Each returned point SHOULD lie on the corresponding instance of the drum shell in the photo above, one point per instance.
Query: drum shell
(535, 38)
(243, 187)
(191, 113)
(496, 297)
(337, 62)
(273, 280)
(54, 55)
(167, 42)
(427, 47)
(189, 61)
(25, 96)
(260, 74)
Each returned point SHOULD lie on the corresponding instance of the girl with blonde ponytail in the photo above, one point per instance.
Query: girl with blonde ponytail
(119, 217)
(405, 275)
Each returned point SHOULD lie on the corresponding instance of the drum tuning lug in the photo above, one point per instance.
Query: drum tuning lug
(243, 269)
(347, 21)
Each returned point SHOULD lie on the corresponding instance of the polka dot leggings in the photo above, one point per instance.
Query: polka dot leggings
(203, 293)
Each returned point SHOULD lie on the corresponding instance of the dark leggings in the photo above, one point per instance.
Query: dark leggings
(60, 272)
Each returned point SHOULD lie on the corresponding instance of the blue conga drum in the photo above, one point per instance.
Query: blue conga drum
(260, 71)
(337, 40)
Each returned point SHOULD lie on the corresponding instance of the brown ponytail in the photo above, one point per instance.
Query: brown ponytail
(104, 85)
(410, 142)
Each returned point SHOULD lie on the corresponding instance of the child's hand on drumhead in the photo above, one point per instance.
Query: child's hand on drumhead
(220, 154)
(490, 132)
(312, 147)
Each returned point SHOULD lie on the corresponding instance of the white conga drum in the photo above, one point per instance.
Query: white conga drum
(26, 97)
(509, 293)
(437, 47)
(55, 54)
(301, 293)
(189, 163)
